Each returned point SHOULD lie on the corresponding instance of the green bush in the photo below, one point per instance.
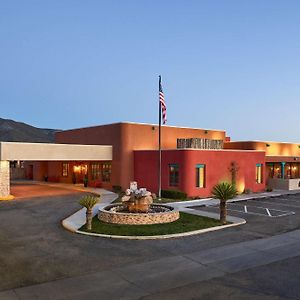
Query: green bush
(247, 191)
(269, 189)
(117, 189)
(173, 194)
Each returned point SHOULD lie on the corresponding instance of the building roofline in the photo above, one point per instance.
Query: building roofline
(194, 149)
(147, 124)
(259, 141)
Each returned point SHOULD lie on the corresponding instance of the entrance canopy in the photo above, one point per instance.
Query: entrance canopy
(55, 152)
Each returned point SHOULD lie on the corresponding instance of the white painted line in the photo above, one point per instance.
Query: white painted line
(277, 203)
(249, 213)
(245, 208)
(268, 212)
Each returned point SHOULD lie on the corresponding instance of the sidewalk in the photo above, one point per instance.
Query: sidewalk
(166, 273)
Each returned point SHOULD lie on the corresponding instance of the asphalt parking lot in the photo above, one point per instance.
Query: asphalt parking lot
(272, 215)
(39, 257)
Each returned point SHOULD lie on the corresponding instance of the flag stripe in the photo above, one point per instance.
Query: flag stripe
(163, 103)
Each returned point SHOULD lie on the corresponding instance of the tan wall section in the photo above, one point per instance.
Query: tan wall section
(127, 137)
(47, 152)
(4, 179)
(271, 148)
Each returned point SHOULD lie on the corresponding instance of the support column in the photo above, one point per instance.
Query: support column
(282, 169)
(4, 179)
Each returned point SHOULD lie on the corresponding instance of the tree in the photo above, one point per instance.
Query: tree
(224, 191)
(89, 202)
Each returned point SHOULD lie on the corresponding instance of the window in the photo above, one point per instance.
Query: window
(258, 172)
(95, 171)
(106, 171)
(173, 175)
(200, 176)
(65, 169)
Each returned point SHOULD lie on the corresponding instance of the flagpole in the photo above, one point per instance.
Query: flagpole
(159, 146)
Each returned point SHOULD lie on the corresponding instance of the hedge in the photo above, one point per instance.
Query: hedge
(173, 194)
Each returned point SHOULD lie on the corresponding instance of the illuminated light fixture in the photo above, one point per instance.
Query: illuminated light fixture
(76, 169)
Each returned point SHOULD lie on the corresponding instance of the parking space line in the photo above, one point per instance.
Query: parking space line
(244, 209)
(275, 203)
(268, 212)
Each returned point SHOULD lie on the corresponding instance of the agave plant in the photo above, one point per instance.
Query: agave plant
(224, 191)
(89, 202)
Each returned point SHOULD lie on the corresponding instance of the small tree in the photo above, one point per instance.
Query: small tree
(224, 191)
(89, 202)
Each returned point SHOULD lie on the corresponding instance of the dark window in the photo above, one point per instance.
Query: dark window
(200, 176)
(106, 172)
(65, 169)
(95, 171)
(173, 175)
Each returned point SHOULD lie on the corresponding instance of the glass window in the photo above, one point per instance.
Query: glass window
(258, 172)
(65, 169)
(95, 171)
(106, 172)
(173, 175)
(200, 176)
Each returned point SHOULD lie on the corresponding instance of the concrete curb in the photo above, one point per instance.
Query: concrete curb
(79, 218)
(159, 237)
(8, 198)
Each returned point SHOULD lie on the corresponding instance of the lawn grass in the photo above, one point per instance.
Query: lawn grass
(186, 222)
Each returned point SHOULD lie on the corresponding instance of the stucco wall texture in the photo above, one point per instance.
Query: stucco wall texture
(271, 148)
(217, 164)
(127, 137)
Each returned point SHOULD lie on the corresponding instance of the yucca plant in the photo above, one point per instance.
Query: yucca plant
(89, 202)
(224, 191)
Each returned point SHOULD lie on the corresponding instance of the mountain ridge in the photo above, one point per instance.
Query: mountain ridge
(14, 131)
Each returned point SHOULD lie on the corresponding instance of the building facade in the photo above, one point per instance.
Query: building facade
(193, 160)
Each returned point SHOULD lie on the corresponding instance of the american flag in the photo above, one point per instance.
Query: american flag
(162, 102)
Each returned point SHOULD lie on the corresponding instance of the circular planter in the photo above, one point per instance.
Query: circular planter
(163, 214)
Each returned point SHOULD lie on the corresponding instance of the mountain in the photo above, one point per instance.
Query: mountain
(12, 131)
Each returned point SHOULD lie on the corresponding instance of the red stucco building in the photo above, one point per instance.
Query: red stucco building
(193, 160)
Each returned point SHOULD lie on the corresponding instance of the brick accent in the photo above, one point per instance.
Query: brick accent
(4, 179)
(138, 218)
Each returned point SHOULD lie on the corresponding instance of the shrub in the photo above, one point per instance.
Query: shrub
(247, 191)
(269, 189)
(224, 191)
(173, 194)
(117, 189)
(88, 201)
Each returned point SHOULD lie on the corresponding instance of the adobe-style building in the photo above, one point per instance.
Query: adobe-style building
(193, 159)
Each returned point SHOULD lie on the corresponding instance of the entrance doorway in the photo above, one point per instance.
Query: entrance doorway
(79, 172)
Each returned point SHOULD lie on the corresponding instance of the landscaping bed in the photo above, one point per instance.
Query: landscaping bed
(186, 223)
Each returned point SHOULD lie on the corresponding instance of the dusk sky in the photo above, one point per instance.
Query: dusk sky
(232, 65)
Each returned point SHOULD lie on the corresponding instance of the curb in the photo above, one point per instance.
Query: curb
(7, 198)
(160, 237)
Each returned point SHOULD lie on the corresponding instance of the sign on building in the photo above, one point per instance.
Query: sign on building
(198, 143)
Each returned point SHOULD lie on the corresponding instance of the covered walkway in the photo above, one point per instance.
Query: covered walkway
(11, 151)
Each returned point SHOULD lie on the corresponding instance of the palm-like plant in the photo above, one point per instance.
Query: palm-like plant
(89, 202)
(224, 191)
